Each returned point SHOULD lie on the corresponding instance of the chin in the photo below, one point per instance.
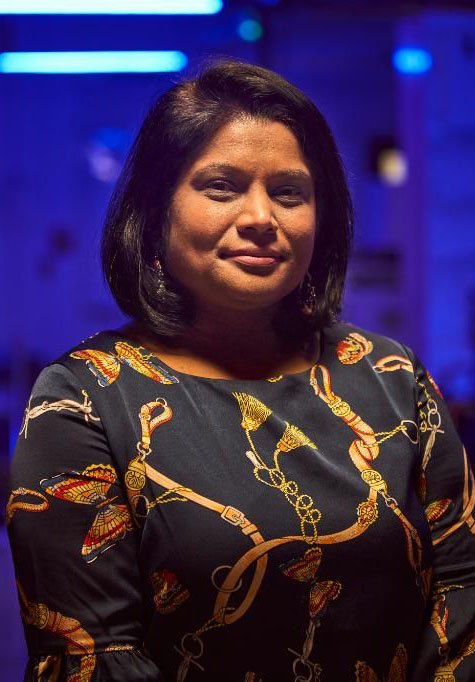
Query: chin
(259, 294)
(252, 301)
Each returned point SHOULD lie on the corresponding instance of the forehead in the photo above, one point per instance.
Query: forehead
(253, 143)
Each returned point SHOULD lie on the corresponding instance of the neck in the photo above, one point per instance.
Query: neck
(232, 343)
(240, 343)
(219, 330)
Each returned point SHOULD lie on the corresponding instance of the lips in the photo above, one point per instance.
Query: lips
(254, 257)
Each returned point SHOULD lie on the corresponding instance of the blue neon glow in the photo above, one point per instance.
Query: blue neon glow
(92, 62)
(110, 6)
(412, 60)
(250, 30)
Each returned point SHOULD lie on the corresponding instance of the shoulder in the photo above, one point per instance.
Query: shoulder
(372, 367)
(351, 343)
(71, 387)
(101, 342)
(95, 353)
(99, 362)
(375, 354)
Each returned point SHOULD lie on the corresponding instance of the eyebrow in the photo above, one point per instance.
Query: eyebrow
(293, 173)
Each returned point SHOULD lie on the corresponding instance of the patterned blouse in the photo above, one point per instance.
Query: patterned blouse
(313, 527)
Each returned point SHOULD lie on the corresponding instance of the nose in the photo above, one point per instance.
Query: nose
(257, 212)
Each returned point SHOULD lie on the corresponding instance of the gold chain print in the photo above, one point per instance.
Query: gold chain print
(79, 642)
(230, 605)
(106, 366)
(88, 487)
(430, 420)
(135, 476)
(254, 413)
(439, 621)
(85, 408)
(50, 669)
(322, 593)
(66, 404)
(397, 670)
(392, 363)
(353, 348)
(365, 449)
(439, 618)
(169, 593)
(191, 646)
(467, 649)
(13, 505)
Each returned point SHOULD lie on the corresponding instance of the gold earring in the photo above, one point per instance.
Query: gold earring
(157, 266)
(308, 295)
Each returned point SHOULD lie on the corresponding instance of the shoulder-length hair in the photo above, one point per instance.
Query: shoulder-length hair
(177, 127)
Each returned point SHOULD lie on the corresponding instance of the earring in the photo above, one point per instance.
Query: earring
(157, 266)
(308, 295)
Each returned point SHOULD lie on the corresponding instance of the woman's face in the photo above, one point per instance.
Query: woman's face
(242, 219)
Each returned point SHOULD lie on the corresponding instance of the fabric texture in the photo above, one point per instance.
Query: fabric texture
(310, 527)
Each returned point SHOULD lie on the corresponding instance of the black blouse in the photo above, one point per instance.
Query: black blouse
(311, 527)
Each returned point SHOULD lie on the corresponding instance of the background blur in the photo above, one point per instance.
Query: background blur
(396, 80)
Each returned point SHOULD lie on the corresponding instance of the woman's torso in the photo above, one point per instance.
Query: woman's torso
(280, 532)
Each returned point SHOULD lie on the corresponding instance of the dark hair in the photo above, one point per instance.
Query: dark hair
(174, 131)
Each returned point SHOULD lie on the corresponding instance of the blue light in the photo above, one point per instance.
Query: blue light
(412, 60)
(110, 6)
(250, 30)
(92, 62)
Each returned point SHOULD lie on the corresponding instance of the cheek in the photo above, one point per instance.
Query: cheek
(303, 235)
(189, 242)
(184, 232)
(303, 248)
(198, 224)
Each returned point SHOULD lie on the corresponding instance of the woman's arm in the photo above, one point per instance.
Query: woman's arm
(74, 543)
(447, 644)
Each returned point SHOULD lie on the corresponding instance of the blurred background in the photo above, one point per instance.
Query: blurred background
(396, 81)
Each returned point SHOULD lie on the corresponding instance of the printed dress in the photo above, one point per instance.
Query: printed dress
(314, 527)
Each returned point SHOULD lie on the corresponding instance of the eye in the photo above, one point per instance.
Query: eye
(220, 185)
(289, 190)
(219, 189)
(289, 194)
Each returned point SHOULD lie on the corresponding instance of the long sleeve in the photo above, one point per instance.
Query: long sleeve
(446, 486)
(74, 543)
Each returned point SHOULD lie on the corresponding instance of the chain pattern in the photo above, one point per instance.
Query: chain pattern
(274, 477)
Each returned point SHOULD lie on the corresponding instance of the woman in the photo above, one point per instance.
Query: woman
(235, 486)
